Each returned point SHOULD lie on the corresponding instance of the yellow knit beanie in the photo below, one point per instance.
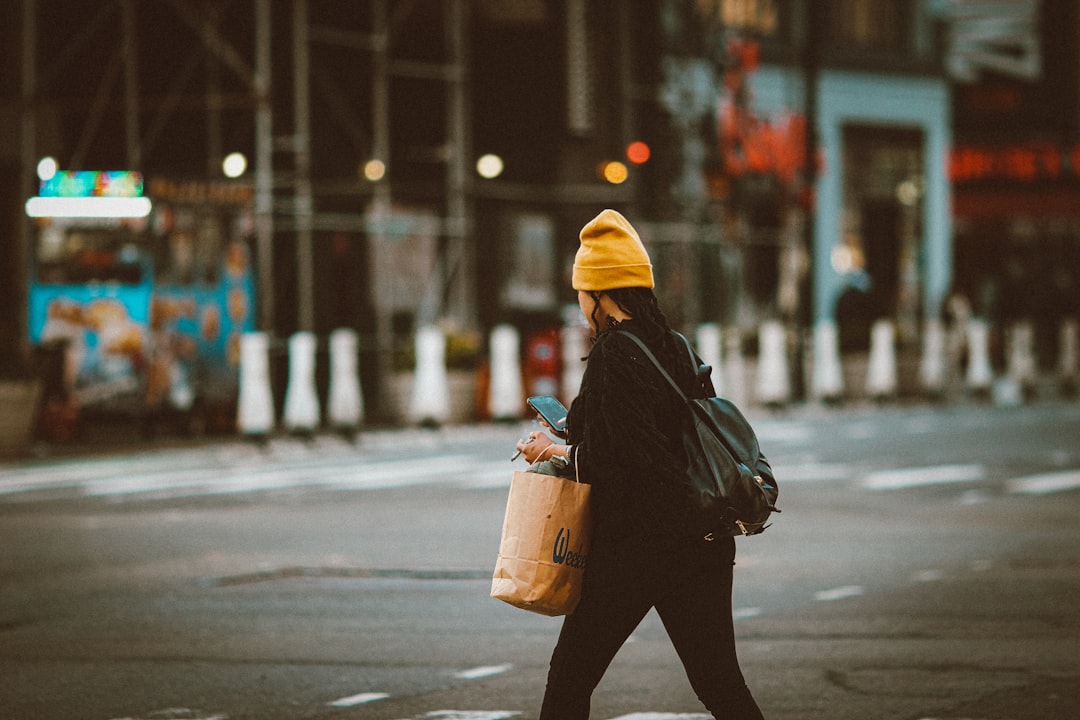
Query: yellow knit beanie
(611, 255)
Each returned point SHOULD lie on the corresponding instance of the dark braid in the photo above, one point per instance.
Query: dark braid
(642, 305)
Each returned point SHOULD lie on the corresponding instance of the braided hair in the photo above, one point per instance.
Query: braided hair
(639, 303)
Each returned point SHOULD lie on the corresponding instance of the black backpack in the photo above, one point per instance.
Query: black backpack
(729, 481)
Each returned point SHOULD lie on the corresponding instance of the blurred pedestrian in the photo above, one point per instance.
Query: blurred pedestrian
(624, 431)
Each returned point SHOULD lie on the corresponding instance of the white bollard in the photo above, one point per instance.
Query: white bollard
(709, 341)
(430, 401)
(573, 339)
(932, 373)
(345, 401)
(881, 373)
(1020, 364)
(828, 377)
(979, 376)
(255, 403)
(506, 399)
(301, 399)
(773, 380)
(1069, 355)
(735, 367)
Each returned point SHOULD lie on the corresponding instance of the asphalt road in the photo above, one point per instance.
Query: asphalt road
(926, 566)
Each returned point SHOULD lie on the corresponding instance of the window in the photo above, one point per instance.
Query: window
(756, 17)
(82, 255)
(879, 25)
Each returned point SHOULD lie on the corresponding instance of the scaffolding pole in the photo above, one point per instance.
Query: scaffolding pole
(380, 206)
(28, 130)
(303, 204)
(131, 89)
(264, 171)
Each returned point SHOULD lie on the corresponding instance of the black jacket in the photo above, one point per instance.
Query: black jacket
(626, 426)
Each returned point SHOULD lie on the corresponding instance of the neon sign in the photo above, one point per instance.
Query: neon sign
(93, 183)
(1029, 162)
(90, 193)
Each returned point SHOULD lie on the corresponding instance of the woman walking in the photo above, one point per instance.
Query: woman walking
(624, 437)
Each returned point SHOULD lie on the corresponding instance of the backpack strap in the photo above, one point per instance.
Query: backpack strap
(703, 371)
(650, 356)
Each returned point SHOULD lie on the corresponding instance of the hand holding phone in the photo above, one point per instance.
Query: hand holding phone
(552, 411)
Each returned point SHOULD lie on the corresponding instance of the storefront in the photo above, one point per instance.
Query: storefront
(1018, 240)
(882, 223)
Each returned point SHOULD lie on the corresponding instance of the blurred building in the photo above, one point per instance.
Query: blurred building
(432, 161)
(861, 232)
(1015, 166)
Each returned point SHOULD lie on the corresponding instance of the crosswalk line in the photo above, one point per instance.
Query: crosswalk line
(811, 472)
(470, 715)
(359, 699)
(919, 476)
(838, 593)
(483, 671)
(1045, 483)
(110, 478)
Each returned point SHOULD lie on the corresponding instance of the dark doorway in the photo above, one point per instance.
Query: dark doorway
(881, 245)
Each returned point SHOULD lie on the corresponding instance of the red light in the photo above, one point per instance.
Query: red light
(637, 152)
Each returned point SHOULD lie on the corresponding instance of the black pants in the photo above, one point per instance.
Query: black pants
(689, 584)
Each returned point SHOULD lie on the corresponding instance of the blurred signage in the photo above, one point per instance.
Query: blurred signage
(90, 194)
(580, 105)
(202, 192)
(93, 183)
(530, 282)
(1026, 162)
(1001, 36)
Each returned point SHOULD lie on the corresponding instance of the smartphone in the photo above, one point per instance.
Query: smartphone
(553, 412)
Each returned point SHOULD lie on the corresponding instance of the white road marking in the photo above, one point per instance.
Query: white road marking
(811, 471)
(1045, 483)
(360, 699)
(745, 613)
(472, 714)
(915, 477)
(179, 712)
(483, 671)
(860, 432)
(164, 478)
(781, 431)
(973, 497)
(839, 593)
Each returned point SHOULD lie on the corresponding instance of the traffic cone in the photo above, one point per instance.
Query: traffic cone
(430, 401)
(301, 399)
(881, 373)
(505, 394)
(773, 380)
(979, 376)
(344, 402)
(1069, 356)
(1020, 364)
(255, 402)
(709, 341)
(828, 377)
(932, 366)
(735, 367)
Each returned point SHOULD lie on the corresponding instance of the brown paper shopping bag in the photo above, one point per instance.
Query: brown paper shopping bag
(545, 543)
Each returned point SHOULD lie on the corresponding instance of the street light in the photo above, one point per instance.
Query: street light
(374, 170)
(614, 172)
(234, 165)
(46, 168)
(489, 166)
